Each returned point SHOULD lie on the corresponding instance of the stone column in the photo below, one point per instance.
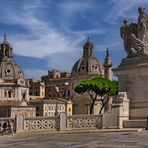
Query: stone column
(63, 121)
(20, 123)
(108, 74)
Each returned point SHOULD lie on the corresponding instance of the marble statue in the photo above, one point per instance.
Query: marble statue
(135, 36)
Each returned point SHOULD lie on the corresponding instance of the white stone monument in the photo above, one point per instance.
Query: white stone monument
(132, 72)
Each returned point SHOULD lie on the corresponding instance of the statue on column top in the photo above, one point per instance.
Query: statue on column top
(135, 36)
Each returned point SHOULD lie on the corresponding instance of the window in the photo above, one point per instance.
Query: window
(5, 94)
(8, 70)
(37, 108)
(9, 94)
(36, 93)
(24, 96)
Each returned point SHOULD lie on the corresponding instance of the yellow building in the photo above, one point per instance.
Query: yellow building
(51, 107)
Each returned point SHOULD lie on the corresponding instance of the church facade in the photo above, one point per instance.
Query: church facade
(13, 86)
(88, 67)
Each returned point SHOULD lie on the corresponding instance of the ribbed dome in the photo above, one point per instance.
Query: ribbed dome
(8, 67)
(88, 63)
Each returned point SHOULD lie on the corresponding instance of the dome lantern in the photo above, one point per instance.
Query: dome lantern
(88, 48)
(5, 48)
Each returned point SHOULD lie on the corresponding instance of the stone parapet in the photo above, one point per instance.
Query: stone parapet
(119, 112)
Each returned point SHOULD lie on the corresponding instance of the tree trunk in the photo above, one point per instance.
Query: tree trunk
(103, 104)
(92, 106)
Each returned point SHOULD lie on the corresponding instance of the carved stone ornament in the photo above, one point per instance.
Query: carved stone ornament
(135, 35)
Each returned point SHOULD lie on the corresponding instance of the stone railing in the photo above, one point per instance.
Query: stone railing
(41, 123)
(7, 126)
(84, 121)
(61, 122)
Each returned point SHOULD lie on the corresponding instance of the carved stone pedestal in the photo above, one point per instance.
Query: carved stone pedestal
(132, 74)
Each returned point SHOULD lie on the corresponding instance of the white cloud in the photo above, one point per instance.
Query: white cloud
(44, 45)
(43, 39)
(73, 7)
(124, 9)
(59, 44)
(112, 46)
(34, 73)
(64, 61)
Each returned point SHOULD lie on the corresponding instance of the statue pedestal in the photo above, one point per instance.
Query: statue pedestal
(132, 74)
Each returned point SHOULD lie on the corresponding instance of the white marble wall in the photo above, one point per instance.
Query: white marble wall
(132, 74)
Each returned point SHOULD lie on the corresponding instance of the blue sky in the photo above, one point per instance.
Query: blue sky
(49, 34)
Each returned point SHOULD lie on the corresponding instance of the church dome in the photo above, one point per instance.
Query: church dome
(88, 64)
(8, 67)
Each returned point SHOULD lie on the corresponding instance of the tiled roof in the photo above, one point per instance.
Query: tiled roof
(10, 103)
(49, 101)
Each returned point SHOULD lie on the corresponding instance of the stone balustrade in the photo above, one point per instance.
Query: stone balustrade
(7, 126)
(84, 121)
(61, 122)
(40, 123)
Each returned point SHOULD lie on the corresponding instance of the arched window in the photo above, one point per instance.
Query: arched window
(9, 93)
(5, 94)
(24, 96)
(69, 109)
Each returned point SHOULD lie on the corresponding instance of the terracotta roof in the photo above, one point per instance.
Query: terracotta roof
(48, 101)
(36, 97)
(10, 103)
